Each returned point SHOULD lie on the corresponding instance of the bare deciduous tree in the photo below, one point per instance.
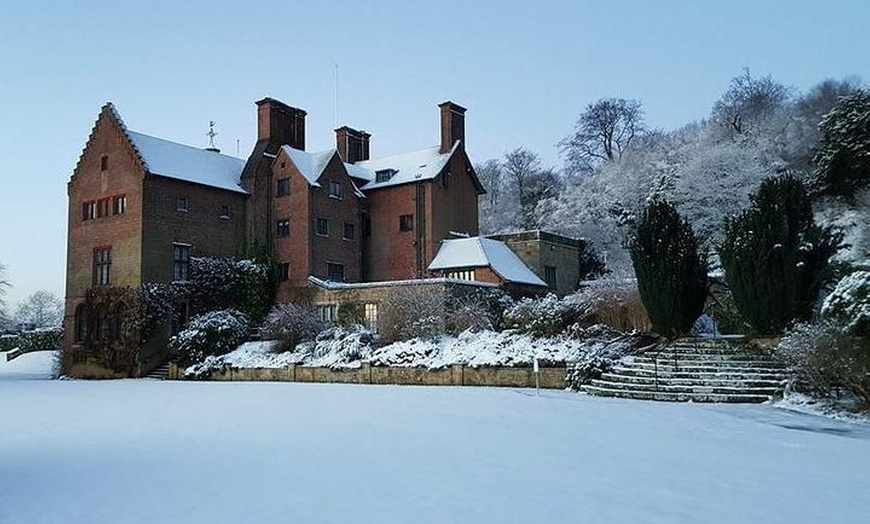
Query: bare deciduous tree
(603, 133)
(42, 309)
(522, 169)
(748, 102)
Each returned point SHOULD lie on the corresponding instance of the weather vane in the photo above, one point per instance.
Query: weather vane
(211, 133)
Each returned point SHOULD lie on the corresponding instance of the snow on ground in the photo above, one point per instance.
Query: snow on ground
(36, 365)
(142, 451)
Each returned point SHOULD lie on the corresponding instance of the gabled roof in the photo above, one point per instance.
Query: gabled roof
(484, 252)
(191, 164)
(311, 165)
(424, 164)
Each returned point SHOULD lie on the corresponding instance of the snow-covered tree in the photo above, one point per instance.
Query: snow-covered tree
(843, 158)
(749, 105)
(603, 133)
(41, 309)
(4, 283)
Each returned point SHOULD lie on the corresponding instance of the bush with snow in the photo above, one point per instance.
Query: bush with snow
(614, 303)
(481, 309)
(212, 333)
(849, 304)
(828, 362)
(337, 347)
(413, 311)
(8, 342)
(291, 324)
(545, 316)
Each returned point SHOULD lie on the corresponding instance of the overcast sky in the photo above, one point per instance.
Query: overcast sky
(524, 70)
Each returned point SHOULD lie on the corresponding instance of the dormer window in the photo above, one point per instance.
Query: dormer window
(384, 175)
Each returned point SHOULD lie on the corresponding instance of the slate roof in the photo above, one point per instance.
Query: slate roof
(191, 164)
(484, 252)
(424, 164)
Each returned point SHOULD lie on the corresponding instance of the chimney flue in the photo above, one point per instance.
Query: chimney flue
(280, 124)
(452, 125)
(352, 145)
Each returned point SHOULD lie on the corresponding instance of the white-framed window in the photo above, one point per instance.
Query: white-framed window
(370, 316)
(336, 190)
(465, 274)
(327, 312)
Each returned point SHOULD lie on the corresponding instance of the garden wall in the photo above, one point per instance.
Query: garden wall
(456, 375)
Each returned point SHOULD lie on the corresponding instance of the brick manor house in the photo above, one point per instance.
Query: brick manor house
(339, 224)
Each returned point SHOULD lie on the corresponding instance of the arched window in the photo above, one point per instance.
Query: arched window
(81, 323)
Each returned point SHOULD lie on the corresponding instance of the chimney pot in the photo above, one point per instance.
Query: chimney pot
(352, 145)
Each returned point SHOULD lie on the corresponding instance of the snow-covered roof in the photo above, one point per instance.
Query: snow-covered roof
(174, 160)
(311, 165)
(479, 252)
(424, 164)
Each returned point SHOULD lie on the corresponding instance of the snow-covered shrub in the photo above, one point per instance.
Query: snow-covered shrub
(543, 316)
(481, 309)
(291, 324)
(214, 283)
(339, 346)
(411, 311)
(849, 304)
(614, 303)
(828, 362)
(41, 339)
(212, 333)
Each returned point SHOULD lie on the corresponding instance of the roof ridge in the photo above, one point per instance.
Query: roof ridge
(181, 144)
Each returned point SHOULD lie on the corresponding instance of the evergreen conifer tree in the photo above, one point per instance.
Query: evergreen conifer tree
(671, 272)
(843, 157)
(775, 257)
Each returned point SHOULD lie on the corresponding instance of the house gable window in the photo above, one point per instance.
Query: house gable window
(336, 190)
(89, 210)
(283, 228)
(102, 265)
(283, 188)
(104, 162)
(406, 222)
(225, 212)
(180, 261)
(182, 204)
(119, 204)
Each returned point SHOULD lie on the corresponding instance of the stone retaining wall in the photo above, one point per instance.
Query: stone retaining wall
(456, 375)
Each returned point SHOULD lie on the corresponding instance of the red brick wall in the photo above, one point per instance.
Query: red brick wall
(390, 253)
(123, 233)
(306, 252)
(202, 225)
(452, 206)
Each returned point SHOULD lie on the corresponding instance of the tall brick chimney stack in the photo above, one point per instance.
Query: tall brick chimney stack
(280, 124)
(352, 145)
(452, 125)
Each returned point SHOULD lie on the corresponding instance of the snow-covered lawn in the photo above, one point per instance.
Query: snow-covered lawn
(151, 451)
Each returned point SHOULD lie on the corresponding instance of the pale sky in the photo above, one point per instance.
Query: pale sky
(524, 70)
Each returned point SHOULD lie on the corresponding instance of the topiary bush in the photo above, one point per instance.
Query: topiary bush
(212, 333)
(775, 257)
(291, 324)
(671, 270)
(41, 339)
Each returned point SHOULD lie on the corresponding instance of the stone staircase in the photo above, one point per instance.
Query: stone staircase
(160, 373)
(696, 370)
